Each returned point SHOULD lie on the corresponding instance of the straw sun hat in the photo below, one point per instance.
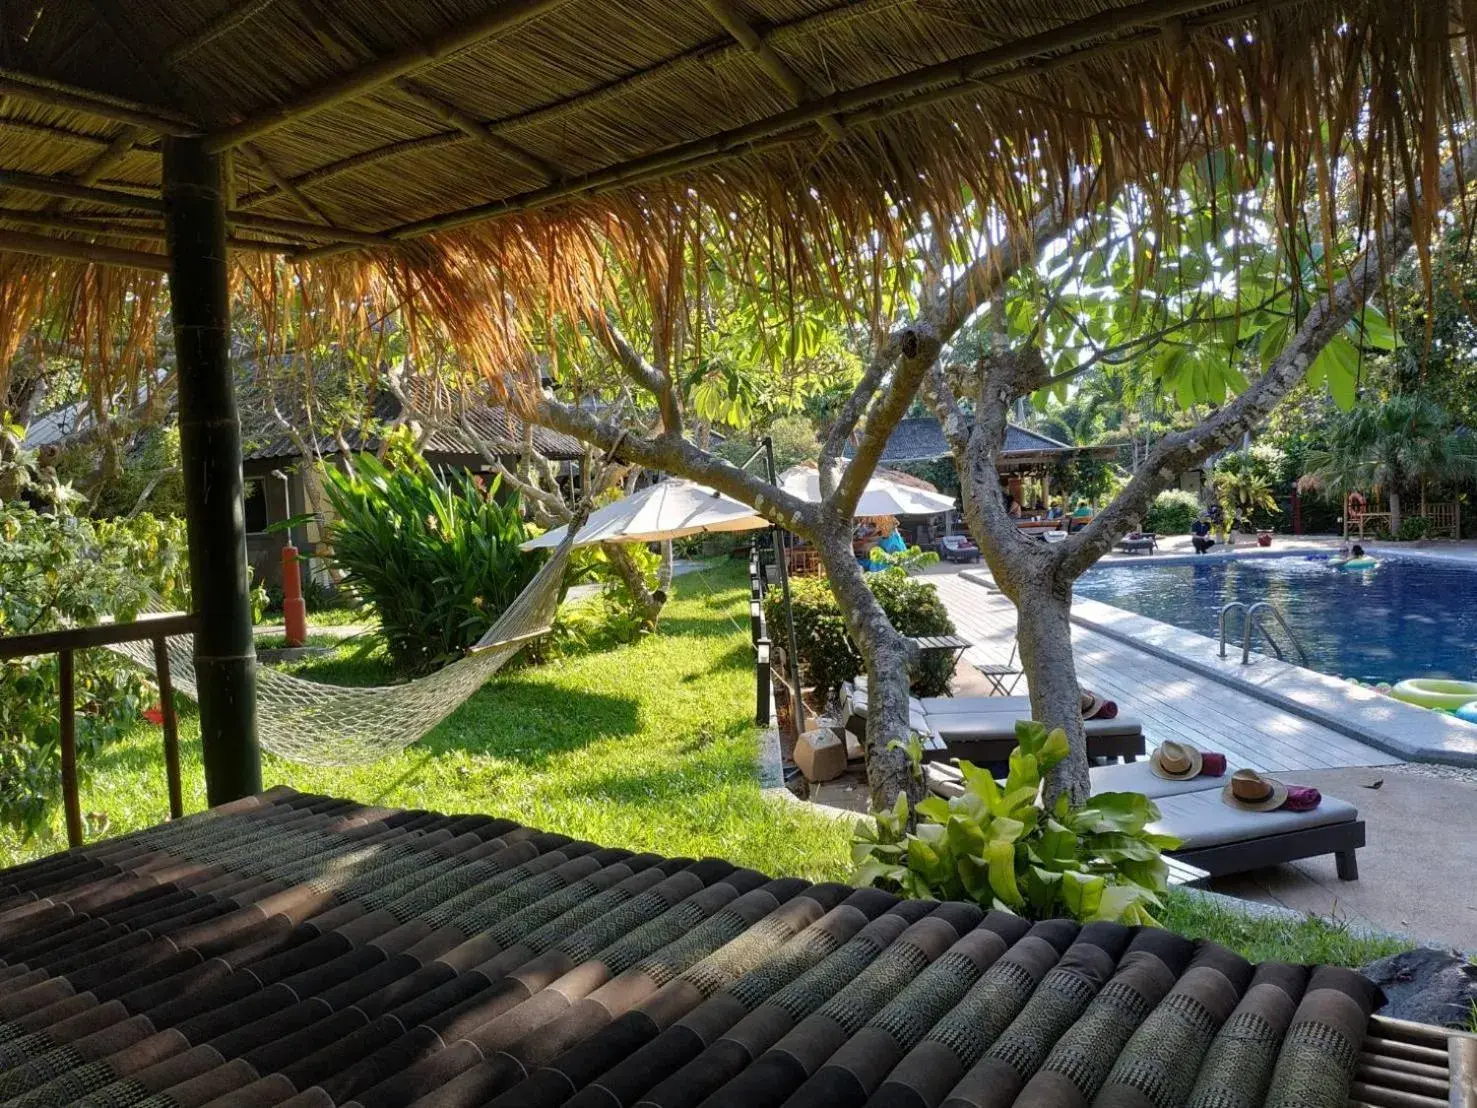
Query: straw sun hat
(1252, 792)
(1176, 761)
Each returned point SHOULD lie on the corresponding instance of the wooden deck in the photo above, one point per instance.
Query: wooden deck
(1172, 702)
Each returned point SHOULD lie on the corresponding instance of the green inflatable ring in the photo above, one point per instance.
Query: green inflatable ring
(1358, 563)
(1430, 693)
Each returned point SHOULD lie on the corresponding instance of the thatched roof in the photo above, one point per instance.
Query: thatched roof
(520, 127)
(497, 430)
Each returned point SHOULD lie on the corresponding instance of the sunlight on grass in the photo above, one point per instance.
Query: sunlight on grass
(649, 746)
(1260, 939)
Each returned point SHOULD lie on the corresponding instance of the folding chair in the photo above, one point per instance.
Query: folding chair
(998, 675)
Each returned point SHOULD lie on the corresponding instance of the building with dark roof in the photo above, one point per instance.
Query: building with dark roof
(921, 439)
(279, 487)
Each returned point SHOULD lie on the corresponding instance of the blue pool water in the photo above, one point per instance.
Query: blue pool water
(1407, 618)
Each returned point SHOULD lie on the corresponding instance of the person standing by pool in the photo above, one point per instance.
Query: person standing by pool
(1200, 535)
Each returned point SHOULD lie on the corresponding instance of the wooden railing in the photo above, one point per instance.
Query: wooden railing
(65, 644)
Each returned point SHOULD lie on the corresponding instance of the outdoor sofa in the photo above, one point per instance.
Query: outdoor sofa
(958, 548)
(1218, 838)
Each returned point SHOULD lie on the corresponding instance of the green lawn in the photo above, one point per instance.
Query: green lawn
(648, 746)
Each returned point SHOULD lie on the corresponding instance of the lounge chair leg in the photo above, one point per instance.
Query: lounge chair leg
(1130, 757)
(1348, 865)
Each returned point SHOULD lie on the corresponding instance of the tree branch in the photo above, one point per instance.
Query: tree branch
(653, 380)
(673, 454)
(918, 347)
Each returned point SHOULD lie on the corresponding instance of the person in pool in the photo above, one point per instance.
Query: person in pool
(1356, 551)
(1200, 535)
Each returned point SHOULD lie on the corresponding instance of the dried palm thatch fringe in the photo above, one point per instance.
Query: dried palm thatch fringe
(368, 118)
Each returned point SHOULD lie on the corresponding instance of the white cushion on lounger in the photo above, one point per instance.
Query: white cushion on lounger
(990, 725)
(944, 711)
(959, 705)
(854, 702)
(1137, 777)
(1202, 819)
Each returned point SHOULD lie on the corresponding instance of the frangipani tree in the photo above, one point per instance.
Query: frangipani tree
(1229, 347)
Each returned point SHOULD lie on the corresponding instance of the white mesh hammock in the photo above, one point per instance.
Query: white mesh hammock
(332, 725)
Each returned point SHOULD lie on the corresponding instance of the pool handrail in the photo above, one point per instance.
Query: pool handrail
(1250, 622)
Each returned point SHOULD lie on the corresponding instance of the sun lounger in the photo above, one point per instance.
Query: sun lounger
(1218, 838)
(1221, 839)
(982, 728)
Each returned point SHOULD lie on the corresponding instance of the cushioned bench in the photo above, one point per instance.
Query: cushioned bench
(1221, 839)
(1218, 838)
(982, 728)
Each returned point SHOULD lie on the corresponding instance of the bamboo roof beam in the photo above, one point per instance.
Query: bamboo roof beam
(708, 53)
(70, 190)
(39, 90)
(212, 31)
(63, 134)
(121, 146)
(505, 17)
(23, 242)
(945, 80)
(284, 185)
(110, 228)
(474, 128)
(779, 70)
(358, 161)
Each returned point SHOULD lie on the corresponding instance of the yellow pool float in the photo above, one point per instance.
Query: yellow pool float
(1429, 692)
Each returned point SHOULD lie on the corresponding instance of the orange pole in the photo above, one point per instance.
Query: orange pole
(294, 608)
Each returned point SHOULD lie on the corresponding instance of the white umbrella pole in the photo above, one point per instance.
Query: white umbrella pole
(791, 653)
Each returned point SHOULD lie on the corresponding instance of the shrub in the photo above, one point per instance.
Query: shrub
(827, 655)
(1413, 529)
(438, 559)
(995, 845)
(1172, 512)
(61, 570)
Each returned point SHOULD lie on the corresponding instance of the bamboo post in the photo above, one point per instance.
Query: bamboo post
(210, 453)
(171, 728)
(70, 800)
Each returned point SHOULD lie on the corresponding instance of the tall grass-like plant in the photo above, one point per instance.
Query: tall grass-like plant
(437, 556)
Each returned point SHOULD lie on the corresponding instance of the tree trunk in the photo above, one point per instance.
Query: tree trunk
(1044, 633)
(648, 602)
(889, 658)
(1394, 511)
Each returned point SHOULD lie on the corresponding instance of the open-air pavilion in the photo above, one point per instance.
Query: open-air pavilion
(445, 149)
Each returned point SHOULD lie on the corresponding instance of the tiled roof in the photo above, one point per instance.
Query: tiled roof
(299, 950)
(921, 439)
(499, 428)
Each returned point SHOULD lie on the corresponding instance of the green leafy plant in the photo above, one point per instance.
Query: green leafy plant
(1172, 512)
(909, 560)
(827, 655)
(1244, 494)
(60, 570)
(1413, 529)
(437, 558)
(995, 845)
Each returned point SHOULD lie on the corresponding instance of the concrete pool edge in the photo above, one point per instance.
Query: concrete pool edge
(1401, 730)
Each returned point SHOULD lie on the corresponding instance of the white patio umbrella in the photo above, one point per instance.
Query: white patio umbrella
(881, 497)
(667, 510)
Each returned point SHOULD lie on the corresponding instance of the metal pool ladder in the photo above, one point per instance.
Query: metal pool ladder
(1251, 622)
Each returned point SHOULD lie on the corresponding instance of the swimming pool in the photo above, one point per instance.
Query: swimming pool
(1408, 618)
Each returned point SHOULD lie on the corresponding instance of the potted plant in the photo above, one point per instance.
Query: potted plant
(1264, 537)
